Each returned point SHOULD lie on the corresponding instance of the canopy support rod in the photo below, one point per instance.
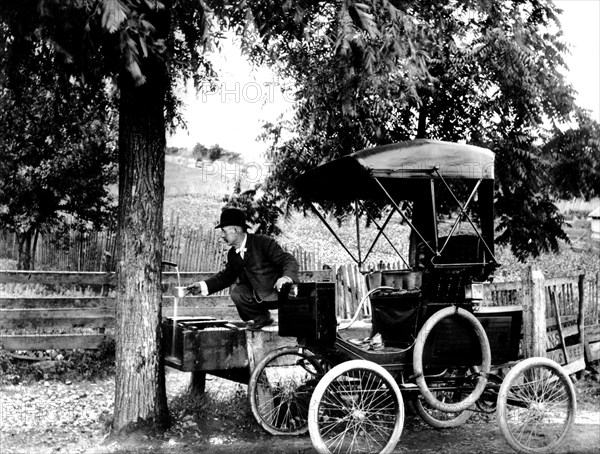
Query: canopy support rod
(395, 205)
(462, 211)
(357, 232)
(382, 232)
(324, 221)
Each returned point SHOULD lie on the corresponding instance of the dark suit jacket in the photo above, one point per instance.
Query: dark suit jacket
(264, 262)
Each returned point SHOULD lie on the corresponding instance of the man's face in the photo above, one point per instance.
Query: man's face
(231, 234)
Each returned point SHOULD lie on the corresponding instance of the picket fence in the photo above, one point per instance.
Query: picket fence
(192, 249)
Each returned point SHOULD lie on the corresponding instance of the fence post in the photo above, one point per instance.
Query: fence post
(534, 313)
(581, 318)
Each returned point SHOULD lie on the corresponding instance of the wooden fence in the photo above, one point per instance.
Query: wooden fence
(192, 249)
(74, 251)
(569, 317)
(83, 322)
(29, 321)
(565, 312)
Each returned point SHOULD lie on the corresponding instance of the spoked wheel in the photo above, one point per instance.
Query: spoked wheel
(356, 408)
(280, 388)
(536, 406)
(443, 419)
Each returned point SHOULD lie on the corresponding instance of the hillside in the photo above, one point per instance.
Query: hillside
(191, 202)
(217, 179)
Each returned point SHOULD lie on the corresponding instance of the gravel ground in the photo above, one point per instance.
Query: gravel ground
(54, 417)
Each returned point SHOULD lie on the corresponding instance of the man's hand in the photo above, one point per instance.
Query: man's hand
(283, 281)
(198, 287)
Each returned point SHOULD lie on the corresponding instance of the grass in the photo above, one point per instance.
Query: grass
(8, 264)
(223, 409)
(194, 198)
(213, 180)
(311, 235)
(31, 366)
(41, 290)
(192, 204)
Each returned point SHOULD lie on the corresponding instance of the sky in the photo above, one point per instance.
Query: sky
(581, 27)
(232, 115)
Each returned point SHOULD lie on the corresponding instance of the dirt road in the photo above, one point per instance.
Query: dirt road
(479, 438)
(54, 417)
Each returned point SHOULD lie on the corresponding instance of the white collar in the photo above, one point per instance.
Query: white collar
(242, 247)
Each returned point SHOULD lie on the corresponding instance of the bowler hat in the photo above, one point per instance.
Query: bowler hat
(232, 216)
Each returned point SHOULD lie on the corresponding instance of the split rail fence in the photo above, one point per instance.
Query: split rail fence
(84, 322)
(566, 311)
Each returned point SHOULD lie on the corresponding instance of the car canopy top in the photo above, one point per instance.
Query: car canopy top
(397, 166)
(408, 171)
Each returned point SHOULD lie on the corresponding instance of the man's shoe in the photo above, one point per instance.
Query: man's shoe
(257, 325)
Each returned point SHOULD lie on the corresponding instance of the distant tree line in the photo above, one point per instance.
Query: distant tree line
(214, 153)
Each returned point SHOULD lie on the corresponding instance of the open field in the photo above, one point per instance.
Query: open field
(194, 198)
(195, 208)
(213, 179)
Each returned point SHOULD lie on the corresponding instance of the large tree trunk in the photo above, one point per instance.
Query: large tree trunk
(26, 251)
(140, 396)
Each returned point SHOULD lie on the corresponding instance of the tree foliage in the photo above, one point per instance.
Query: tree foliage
(215, 153)
(199, 151)
(57, 138)
(142, 48)
(147, 47)
(481, 72)
(575, 157)
(364, 71)
(260, 206)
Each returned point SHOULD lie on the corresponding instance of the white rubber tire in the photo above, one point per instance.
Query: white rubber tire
(266, 417)
(428, 415)
(486, 357)
(533, 401)
(353, 405)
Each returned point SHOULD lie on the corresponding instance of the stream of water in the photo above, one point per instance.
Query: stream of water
(178, 290)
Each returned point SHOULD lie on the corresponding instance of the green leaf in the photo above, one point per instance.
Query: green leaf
(114, 14)
(143, 46)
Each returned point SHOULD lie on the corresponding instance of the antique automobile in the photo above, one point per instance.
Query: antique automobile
(438, 348)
